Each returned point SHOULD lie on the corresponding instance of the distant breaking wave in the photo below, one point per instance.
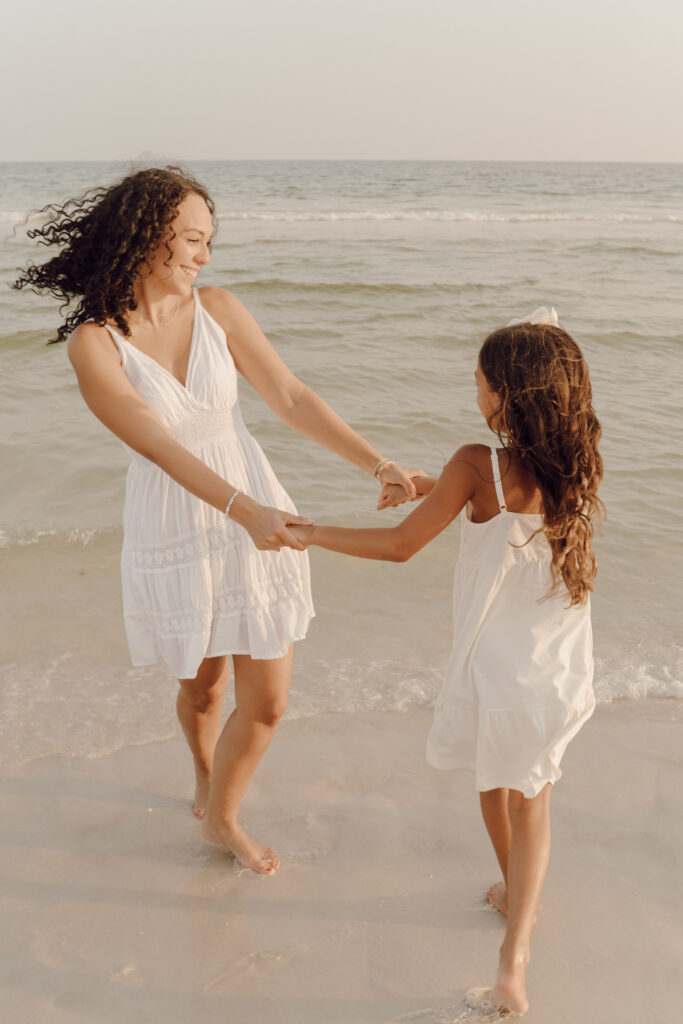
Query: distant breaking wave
(33, 218)
(437, 215)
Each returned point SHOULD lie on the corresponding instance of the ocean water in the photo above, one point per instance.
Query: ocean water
(377, 283)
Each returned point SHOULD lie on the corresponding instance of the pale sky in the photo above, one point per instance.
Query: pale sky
(342, 79)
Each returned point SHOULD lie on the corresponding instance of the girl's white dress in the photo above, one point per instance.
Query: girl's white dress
(518, 685)
(194, 584)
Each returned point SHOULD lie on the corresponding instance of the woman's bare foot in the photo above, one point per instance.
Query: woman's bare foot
(201, 795)
(498, 897)
(248, 853)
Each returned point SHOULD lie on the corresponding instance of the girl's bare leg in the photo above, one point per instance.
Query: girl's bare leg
(199, 706)
(261, 691)
(527, 866)
(494, 809)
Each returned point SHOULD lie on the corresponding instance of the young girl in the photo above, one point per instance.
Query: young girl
(209, 565)
(518, 683)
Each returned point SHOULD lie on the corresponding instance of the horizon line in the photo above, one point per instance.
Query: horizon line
(376, 160)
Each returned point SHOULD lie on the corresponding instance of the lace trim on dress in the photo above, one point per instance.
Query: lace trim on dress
(182, 551)
(190, 621)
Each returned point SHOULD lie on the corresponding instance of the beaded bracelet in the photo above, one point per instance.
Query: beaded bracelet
(227, 511)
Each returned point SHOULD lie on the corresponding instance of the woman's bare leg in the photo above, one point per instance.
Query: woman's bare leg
(199, 706)
(527, 866)
(261, 691)
(494, 809)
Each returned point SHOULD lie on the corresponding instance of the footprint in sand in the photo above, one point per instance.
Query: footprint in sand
(443, 1015)
(260, 963)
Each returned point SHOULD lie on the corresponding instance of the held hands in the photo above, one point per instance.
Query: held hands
(304, 534)
(393, 494)
(390, 473)
(269, 528)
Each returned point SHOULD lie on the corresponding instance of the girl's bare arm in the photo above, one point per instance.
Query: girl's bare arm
(446, 498)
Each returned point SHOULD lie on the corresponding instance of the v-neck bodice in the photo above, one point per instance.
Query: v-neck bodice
(120, 338)
(211, 378)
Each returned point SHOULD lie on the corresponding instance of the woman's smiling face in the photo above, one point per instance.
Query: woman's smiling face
(188, 240)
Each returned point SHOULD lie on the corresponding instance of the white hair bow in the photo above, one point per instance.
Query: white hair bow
(542, 315)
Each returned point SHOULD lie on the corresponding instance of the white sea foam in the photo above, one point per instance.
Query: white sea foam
(473, 216)
(630, 680)
(25, 538)
(61, 707)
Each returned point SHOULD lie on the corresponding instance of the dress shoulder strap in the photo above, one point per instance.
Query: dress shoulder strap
(117, 339)
(496, 479)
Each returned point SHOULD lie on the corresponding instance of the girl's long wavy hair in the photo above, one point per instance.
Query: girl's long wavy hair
(106, 238)
(546, 416)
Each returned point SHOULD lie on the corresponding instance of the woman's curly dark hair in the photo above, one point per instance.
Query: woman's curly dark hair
(106, 237)
(546, 416)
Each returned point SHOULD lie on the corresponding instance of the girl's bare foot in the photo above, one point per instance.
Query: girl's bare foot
(482, 999)
(509, 992)
(201, 795)
(498, 897)
(248, 853)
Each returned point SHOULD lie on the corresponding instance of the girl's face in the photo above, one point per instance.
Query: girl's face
(192, 228)
(487, 399)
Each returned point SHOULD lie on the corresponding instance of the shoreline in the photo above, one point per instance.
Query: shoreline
(118, 911)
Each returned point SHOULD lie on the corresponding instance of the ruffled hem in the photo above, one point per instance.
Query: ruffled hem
(263, 636)
(505, 748)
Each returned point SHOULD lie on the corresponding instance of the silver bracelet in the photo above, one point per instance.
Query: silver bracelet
(227, 511)
(381, 465)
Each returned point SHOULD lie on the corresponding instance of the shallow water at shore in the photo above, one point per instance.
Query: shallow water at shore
(377, 283)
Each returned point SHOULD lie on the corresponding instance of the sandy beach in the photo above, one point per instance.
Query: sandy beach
(115, 910)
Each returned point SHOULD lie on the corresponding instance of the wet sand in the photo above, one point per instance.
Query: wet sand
(115, 910)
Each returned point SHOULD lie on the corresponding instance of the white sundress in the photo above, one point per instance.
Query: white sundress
(194, 584)
(518, 685)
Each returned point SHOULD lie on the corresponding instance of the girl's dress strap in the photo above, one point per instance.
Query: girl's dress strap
(496, 479)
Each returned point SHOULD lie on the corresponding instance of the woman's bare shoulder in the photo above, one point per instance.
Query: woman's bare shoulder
(219, 302)
(90, 341)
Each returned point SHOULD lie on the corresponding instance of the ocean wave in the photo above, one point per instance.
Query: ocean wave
(355, 287)
(46, 704)
(465, 216)
(78, 537)
(16, 219)
(352, 686)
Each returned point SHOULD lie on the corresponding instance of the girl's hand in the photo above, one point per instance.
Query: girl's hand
(393, 495)
(268, 527)
(401, 475)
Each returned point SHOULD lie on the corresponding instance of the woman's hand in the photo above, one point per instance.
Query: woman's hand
(390, 473)
(267, 527)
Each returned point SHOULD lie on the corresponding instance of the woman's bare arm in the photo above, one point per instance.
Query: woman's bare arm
(112, 398)
(289, 398)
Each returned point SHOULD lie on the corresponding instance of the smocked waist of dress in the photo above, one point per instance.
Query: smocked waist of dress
(202, 426)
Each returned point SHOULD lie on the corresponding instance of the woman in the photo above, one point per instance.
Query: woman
(210, 568)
